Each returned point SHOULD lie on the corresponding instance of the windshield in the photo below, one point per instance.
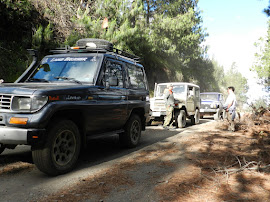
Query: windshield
(160, 90)
(82, 69)
(209, 96)
(177, 89)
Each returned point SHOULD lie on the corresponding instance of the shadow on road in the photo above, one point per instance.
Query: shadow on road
(20, 153)
(100, 150)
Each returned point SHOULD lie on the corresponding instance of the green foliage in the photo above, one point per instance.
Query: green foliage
(236, 79)
(262, 63)
(42, 39)
(18, 19)
(166, 34)
(261, 102)
(15, 34)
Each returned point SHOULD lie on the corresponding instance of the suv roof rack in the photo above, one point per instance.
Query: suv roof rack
(126, 54)
(95, 46)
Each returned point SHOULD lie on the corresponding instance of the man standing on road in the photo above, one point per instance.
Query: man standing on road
(169, 104)
(230, 107)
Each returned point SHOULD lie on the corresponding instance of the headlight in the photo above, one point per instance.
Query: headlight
(213, 105)
(38, 102)
(28, 104)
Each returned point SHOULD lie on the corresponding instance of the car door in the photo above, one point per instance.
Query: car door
(197, 98)
(191, 100)
(138, 94)
(111, 101)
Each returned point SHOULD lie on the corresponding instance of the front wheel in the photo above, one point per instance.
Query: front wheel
(217, 115)
(132, 135)
(181, 119)
(2, 148)
(61, 151)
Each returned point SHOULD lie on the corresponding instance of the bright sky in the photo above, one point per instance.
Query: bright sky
(233, 27)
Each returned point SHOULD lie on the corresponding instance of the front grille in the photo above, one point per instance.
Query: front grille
(159, 104)
(5, 102)
(205, 106)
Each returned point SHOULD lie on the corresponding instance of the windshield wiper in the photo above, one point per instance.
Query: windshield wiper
(40, 80)
(68, 79)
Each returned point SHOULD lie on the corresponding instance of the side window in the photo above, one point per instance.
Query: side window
(136, 77)
(221, 98)
(197, 92)
(190, 91)
(113, 70)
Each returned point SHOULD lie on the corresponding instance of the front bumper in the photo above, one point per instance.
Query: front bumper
(208, 110)
(16, 136)
(157, 113)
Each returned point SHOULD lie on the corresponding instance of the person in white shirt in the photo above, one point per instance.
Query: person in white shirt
(230, 107)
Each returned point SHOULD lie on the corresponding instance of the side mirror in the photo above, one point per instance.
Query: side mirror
(46, 67)
(113, 81)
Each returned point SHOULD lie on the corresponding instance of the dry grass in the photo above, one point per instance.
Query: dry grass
(113, 179)
(225, 166)
(16, 168)
(216, 165)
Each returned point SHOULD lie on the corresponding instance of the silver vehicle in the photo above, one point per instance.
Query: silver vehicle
(211, 104)
(187, 103)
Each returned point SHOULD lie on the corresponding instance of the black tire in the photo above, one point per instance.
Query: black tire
(2, 148)
(197, 116)
(61, 151)
(224, 115)
(217, 115)
(182, 119)
(192, 120)
(149, 123)
(132, 135)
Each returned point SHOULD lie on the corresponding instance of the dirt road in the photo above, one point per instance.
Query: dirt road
(21, 181)
(191, 164)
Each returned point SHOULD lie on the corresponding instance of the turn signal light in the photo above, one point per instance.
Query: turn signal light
(18, 120)
(75, 48)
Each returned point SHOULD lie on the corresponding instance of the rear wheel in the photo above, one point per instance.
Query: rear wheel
(192, 119)
(61, 151)
(132, 135)
(149, 123)
(2, 148)
(181, 119)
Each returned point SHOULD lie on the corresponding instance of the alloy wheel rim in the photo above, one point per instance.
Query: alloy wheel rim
(64, 147)
(135, 131)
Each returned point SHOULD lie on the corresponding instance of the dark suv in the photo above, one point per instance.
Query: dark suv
(87, 91)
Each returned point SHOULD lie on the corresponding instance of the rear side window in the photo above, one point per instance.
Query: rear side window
(136, 77)
(197, 92)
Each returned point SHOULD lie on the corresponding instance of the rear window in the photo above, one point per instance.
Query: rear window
(136, 77)
(209, 96)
